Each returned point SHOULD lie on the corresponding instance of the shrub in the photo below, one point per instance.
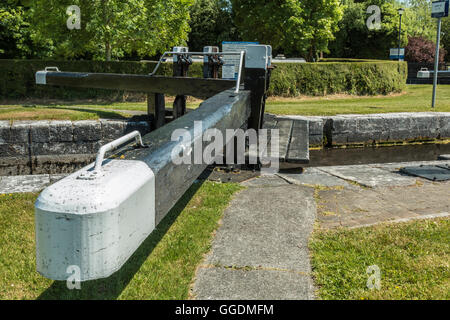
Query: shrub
(357, 77)
(422, 50)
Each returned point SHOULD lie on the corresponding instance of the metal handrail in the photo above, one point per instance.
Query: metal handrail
(241, 62)
(115, 144)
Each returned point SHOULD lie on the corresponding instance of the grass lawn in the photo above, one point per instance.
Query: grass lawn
(413, 258)
(162, 268)
(78, 110)
(17, 112)
(415, 98)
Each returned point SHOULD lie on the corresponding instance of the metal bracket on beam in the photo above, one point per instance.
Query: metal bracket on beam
(163, 57)
(41, 76)
(211, 63)
(181, 63)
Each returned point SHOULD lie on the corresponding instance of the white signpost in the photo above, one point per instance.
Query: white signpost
(439, 10)
(230, 69)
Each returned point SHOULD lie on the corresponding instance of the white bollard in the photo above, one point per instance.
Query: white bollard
(94, 222)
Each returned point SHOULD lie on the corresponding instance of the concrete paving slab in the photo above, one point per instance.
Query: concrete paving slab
(20, 184)
(228, 284)
(355, 208)
(27, 183)
(313, 176)
(369, 176)
(265, 181)
(268, 228)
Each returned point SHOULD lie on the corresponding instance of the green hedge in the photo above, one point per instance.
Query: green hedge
(288, 79)
(356, 77)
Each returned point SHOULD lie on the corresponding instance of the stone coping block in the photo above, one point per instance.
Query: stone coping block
(348, 129)
(56, 137)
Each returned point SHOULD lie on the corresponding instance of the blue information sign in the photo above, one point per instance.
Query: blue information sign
(395, 54)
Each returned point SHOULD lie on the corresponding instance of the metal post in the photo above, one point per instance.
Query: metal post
(399, 37)
(436, 62)
(156, 109)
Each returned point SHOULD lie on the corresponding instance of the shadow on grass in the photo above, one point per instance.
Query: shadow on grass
(112, 287)
(102, 114)
(65, 102)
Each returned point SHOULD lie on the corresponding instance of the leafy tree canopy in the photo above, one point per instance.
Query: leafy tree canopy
(16, 32)
(211, 23)
(112, 28)
(355, 40)
(418, 20)
(445, 37)
(292, 27)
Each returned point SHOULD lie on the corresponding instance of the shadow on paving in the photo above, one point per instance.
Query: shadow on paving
(111, 287)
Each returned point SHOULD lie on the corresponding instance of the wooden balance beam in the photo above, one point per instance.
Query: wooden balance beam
(196, 87)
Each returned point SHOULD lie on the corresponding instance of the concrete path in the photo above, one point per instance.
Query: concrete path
(261, 248)
(364, 195)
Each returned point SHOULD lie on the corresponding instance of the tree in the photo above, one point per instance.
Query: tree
(211, 23)
(418, 20)
(355, 40)
(422, 50)
(445, 40)
(11, 21)
(112, 28)
(16, 32)
(292, 27)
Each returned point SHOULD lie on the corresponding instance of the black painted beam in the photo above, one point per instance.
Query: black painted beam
(196, 87)
(226, 110)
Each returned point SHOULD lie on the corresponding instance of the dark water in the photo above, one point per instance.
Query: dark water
(349, 156)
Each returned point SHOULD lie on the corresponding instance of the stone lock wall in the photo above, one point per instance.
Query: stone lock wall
(375, 128)
(34, 146)
(387, 127)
